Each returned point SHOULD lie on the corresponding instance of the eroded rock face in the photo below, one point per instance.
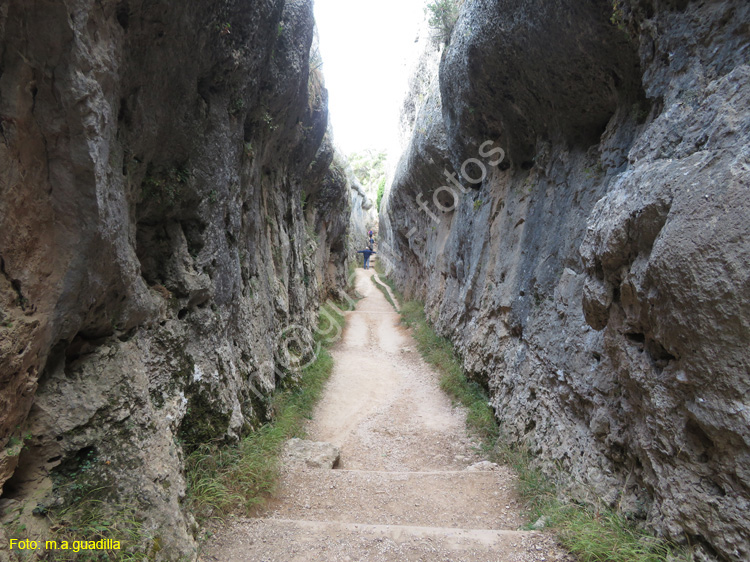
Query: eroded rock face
(168, 216)
(597, 279)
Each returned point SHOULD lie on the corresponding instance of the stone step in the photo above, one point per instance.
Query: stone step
(458, 499)
(277, 540)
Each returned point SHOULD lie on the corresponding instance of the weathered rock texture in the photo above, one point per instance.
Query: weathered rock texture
(168, 216)
(598, 278)
(363, 216)
(314, 454)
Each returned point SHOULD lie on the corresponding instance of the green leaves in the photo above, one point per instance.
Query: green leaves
(442, 19)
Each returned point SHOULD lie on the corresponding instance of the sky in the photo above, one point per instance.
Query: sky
(365, 46)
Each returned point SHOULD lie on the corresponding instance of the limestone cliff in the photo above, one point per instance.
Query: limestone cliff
(168, 214)
(364, 215)
(594, 272)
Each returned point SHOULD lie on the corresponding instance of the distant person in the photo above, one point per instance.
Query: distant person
(367, 252)
(372, 243)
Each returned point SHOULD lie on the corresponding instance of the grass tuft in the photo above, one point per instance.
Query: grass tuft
(599, 536)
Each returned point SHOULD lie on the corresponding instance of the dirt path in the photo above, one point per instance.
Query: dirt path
(406, 487)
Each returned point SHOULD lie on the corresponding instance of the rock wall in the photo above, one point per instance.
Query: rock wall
(594, 274)
(364, 215)
(168, 215)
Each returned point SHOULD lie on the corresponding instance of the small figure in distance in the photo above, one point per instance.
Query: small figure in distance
(367, 252)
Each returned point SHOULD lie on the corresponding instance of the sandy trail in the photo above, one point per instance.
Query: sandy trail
(383, 406)
(402, 490)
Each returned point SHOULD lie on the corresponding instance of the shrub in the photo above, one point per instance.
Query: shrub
(442, 18)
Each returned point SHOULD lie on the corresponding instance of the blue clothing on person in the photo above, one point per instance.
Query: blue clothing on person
(367, 252)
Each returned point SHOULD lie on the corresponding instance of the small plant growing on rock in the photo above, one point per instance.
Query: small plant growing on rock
(442, 18)
(236, 106)
(268, 120)
(618, 16)
(165, 188)
(381, 192)
(249, 152)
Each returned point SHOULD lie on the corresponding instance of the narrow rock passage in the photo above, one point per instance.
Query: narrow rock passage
(406, 487)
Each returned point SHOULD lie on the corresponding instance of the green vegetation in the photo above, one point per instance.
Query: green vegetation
(604, 535)
(96, 520)
(443, 15)
(268, 120)
(236, 105)
(352, 276)
(381, 192)
(87, 513)
(592, 533)
(239, 478)
(380, 270)
(222, 479)
(249, 152)
(618, 16)
(369, 168)
(385, 292)
(165, 188)
(439, 351)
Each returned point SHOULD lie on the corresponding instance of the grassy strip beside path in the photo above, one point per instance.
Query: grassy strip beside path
(383, 289)
(593, 534)
(236, 479)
